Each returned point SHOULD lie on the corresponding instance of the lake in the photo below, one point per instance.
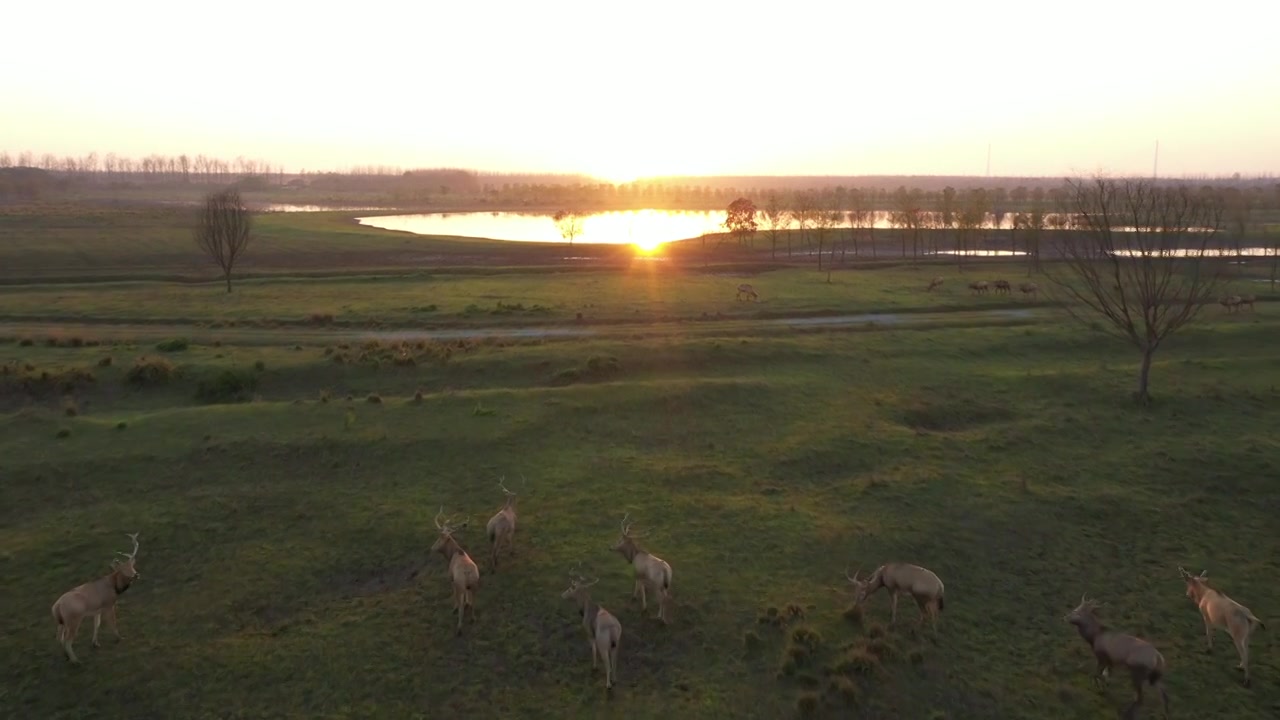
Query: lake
(644, 228)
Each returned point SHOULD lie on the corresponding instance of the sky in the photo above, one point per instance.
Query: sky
(625, 90)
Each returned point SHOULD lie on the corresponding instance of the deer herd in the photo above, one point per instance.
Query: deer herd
(1145, 664)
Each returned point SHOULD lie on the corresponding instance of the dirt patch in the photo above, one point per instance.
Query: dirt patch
(374, 582)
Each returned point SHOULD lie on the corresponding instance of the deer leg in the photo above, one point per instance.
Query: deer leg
(97, 622)
(595, 652)
(1242, 647)
(613, 664)
(1100, 677)
(1208, 634)
(644, 600)
(114, 622)
(69, 639)
(1139, 676)
(893, 607)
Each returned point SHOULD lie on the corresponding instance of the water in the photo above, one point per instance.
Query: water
(1197, 252)
(645, 228)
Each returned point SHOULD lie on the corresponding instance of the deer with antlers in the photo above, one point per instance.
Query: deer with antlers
(1218, 610)
(650, 570)
(936, 282)
(604, 631)
(747, 290)
(463, 572)
(95, 598)
(1112, 648)
(501, 528)
(922, 584)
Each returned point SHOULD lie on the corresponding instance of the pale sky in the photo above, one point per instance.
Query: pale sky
(621, 90)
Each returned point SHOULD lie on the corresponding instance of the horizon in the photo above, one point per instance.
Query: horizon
(817, 99)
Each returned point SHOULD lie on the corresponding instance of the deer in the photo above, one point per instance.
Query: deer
(979, 286)
(95, 598)
(501, 528)
(1002, 286)
(463, 572)
(746, 289)
(922, 584)
(1029, 288)
(1230, 302)
(1218, 610)
(650, 570)
(1246, 300)
(604, 631)
(1111, 648)
(936, 282)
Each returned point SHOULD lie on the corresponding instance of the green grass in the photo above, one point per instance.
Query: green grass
(284, 538)
(283, 470)
(642, 293)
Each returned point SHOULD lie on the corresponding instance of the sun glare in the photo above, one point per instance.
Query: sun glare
(648, 247)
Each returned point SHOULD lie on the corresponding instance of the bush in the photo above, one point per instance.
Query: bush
(105, 362)
(808, 703)
(26, 342)
(147, 372)
(227, 386)
(173, 345)
(260, 366)
(374, 399)
(603, 365)
(122, 425)
(64, 433)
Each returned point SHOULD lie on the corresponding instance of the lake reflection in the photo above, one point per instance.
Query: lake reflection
(645, 228)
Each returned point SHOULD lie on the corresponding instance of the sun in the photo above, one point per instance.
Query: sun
(648, 247)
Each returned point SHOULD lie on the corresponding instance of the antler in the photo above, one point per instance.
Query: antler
(502, 484)
(626, 527)
(441, 528)
(855, 574)
(1183, 572)
(131, 555)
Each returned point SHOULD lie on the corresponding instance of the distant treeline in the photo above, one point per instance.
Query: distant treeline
(26, 175)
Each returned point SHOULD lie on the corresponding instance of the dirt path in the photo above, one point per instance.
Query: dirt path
(278, 336)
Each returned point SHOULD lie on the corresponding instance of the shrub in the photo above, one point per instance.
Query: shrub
(324, 396)
(808, 703)
(418, 397)
(227, 386)
(64, 433)
(105, 362)
(845, 688)
(321, 318)
(26, 342)
(69, 407)
(147, 372)
(374, 399)
(173, 345)
(259, 366)
(857, 661)
(603, 365)
(122, 425)
(853, 614)
(750, 640)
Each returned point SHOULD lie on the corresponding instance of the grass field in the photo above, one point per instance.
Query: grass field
(284, 490)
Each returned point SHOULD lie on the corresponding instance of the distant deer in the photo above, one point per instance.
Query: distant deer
(1230, 302)
(1029, 288)
(936, 282)
(1110, 648)
(95, 598)
(604, 632)
(501, 528)
(650, 570)
(1246, 300)
(923, 585)
(1002, 286)
(1218, 610)
(748, 290)
(979, 286)
(464, 575)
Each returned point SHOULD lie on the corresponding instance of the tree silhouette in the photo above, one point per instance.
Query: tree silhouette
(222, 230)
(740, 219)
(1136, 260)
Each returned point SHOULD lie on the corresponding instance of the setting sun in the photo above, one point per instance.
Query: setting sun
(648, 246)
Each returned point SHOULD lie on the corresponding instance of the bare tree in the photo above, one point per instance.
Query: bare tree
(569, 223)
(1137, 260)
(222, 231)
(776, 220)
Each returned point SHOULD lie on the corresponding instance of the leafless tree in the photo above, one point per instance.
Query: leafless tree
(1135, 259)
(222, 230)
(569, 223)
(776, 220)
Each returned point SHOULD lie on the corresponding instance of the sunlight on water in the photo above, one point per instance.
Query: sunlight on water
(982, 253)
(290, 208)
(646, 229)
